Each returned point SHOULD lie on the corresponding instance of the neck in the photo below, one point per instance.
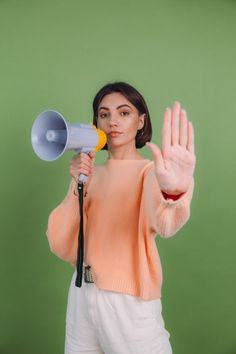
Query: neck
(123, 153)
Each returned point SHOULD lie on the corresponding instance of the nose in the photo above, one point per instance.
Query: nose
(113, 120)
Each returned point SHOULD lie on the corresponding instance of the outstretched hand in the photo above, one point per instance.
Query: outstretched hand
(175, 163)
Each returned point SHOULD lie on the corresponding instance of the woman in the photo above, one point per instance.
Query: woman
(127, 201)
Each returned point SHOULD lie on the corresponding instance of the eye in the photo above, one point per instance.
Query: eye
(125, 113)
(102, 115)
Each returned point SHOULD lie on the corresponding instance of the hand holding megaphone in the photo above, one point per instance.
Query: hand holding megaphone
(51, 136)
(82, 164)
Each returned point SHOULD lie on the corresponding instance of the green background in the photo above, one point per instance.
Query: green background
(57, 54)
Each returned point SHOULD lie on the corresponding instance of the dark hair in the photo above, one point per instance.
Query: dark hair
(133, 96)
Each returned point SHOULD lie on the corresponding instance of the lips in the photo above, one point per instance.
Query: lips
(114, 134)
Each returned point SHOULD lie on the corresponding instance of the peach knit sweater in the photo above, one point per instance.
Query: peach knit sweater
(124, 209)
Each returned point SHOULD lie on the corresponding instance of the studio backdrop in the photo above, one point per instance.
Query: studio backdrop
(57, 55)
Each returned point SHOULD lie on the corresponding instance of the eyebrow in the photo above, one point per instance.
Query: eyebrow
(122, 105)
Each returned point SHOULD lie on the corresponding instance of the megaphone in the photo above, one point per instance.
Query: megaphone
(51, 136)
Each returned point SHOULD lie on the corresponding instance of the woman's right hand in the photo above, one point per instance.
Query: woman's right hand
(82, 164)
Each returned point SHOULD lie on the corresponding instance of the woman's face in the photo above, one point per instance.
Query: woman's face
(117, 114)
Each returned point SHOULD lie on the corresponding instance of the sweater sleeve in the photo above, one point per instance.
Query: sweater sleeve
(165, 216)
(63, 227)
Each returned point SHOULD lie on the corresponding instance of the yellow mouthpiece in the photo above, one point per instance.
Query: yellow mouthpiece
(102, 138)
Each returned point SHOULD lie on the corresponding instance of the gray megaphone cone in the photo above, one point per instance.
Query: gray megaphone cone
(51, 136)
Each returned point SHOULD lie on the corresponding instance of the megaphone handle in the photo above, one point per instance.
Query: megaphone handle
(83, 178)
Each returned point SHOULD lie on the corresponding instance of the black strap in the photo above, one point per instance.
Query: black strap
(80, 251)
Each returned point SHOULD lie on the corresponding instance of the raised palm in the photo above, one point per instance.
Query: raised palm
(175, 163)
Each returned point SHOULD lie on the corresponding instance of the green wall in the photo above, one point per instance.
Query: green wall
(57, 54)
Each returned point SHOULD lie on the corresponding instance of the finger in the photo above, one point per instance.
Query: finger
(92, 154)
(75, 176)
(157, 155)
(81, 164)
(190, 145)
(166, 130)
(183, 136)
(86, 156)
(84, 171)
(85, 163)
(86, 159)
(76, 169)
(175, 123)
(78, 158)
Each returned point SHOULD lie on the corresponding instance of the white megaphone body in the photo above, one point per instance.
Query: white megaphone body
(51, 136)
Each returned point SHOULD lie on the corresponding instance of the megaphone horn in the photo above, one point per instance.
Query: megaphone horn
(51, 136)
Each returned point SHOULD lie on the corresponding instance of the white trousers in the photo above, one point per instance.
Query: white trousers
(106, 322)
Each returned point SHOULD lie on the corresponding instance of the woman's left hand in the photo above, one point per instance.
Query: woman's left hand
(175, 163)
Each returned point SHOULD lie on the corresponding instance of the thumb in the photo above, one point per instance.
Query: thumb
(157, 155)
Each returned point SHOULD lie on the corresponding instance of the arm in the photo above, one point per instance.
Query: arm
(166, 216)
(174, 166)
(63, 227)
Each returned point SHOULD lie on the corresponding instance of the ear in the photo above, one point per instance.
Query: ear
(141, 121)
